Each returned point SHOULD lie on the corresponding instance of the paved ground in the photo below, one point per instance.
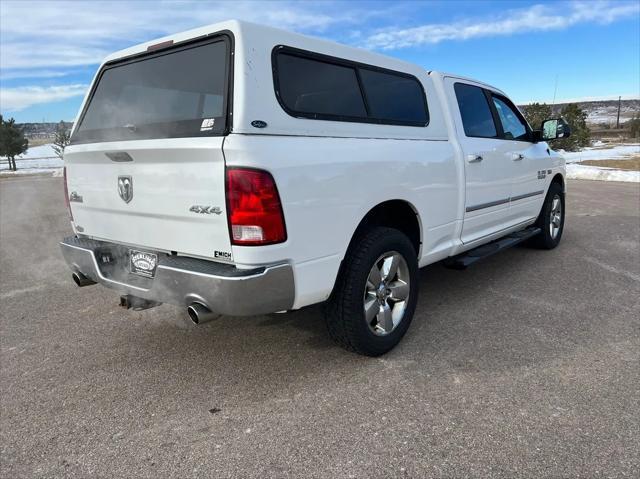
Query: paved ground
(527, 365)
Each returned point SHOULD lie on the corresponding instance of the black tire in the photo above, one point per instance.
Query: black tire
(344, 311)
(546, 240)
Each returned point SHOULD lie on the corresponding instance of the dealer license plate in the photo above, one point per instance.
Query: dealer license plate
(143, 263)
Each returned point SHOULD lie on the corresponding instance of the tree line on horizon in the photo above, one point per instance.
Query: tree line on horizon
(13, 142)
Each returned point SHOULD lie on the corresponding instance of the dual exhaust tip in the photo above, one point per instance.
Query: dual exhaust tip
(200, 314)
(81, 280)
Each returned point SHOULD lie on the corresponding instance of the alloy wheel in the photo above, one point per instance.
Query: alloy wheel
(386, 293)
(555, 217)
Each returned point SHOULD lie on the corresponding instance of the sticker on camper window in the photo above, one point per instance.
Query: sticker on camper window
(207, 124)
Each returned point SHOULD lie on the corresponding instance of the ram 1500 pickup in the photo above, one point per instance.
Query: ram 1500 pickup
(237, 169)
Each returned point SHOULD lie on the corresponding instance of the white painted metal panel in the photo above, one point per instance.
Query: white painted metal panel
(169, 176)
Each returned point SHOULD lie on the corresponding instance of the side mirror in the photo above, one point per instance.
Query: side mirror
(554, 129)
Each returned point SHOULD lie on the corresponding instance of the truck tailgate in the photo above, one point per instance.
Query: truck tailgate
(159, 194)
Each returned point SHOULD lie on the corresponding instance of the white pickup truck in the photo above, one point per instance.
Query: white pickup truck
(237, 169)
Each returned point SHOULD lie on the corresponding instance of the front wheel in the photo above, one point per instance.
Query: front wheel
(375, 295)
(551, 219)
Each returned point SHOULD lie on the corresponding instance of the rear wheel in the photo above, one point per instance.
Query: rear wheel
(375, 296)
(551, 219)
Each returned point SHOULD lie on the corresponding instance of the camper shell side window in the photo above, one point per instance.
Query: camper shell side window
(321, 87)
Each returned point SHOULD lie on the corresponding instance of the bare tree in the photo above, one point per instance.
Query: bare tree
(61, 139)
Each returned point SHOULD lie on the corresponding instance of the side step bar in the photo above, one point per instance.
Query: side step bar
(466, 259)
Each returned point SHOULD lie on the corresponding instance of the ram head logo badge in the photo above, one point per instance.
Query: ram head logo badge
(125, 188)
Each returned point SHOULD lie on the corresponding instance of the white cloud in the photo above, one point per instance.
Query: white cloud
(44, 40)
(62, 34)
(19, 98)
(14, 74)
(48, 39)
(535, 18)
(72, 33)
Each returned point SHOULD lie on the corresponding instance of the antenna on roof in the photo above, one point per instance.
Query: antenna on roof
(555, 90)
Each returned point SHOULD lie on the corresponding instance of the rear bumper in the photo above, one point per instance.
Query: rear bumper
(178, 280)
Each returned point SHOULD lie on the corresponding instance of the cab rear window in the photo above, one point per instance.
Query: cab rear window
(180, 92)
(475, 111)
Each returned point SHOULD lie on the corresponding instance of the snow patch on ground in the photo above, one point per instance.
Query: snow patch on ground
(39, 159)
(39, 152)
(576, 171)
(619, 152)
(587, 172)
(31, 171)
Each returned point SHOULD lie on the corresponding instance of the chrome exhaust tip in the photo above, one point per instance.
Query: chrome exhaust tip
(81, 280)
(200, 314)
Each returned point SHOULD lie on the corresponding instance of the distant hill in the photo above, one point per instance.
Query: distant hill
(42, 130)
(603, 113)
(599, 114)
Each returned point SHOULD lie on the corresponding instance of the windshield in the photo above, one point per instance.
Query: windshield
(176, 93)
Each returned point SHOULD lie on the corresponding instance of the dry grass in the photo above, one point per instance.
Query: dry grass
(39, 141)
(632, 164)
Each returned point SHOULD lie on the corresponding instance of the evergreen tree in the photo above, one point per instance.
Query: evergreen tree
(12, 141)
(61, 139)
(536, 113)
(580, 135)
(634, 126)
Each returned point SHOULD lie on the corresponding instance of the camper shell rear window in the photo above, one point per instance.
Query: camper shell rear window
(177, 92)
(321, 87)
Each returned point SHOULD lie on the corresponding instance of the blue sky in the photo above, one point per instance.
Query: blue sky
(50, 50)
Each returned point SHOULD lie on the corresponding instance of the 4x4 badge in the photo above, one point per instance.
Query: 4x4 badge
(206, 210)
(125, 188)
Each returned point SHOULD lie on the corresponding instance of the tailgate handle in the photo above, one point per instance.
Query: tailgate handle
(119, 156)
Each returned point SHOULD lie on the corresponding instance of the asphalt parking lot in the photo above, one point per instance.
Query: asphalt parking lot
(525, 365)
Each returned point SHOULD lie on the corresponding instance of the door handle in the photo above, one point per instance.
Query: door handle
(474, 158)
(518, 157)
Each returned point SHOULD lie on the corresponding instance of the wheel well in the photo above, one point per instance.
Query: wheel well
(560, 180)
(396, 214)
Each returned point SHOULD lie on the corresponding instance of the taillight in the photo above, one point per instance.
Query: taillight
(254, 208)
(66, 192)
